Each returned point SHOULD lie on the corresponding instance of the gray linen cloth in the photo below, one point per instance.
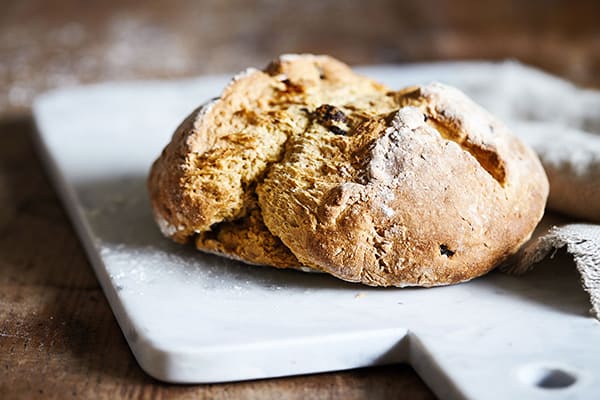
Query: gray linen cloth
(562, 124)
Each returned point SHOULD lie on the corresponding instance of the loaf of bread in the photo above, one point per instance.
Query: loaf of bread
(310, 166)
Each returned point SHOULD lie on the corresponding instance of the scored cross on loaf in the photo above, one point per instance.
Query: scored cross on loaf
(309, 165)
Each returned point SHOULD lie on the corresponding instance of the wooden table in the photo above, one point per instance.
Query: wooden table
(58, 337)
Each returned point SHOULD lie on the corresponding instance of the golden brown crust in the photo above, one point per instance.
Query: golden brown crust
(247, 239)
(202, 176)
(417, 187)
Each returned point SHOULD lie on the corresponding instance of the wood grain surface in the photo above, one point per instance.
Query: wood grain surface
(58, 337)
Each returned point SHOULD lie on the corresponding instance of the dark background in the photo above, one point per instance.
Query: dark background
(45, 44)
(58, 338)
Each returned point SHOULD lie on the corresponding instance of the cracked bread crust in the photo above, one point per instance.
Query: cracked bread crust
(247, 239)
(310, 165)
(202, 187)
(421, 211)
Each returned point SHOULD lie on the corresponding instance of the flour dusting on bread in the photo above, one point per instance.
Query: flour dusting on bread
(310, 166)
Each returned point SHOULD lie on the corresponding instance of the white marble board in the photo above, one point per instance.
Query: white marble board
(195, 318)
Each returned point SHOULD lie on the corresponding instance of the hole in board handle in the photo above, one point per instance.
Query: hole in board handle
(546, 377)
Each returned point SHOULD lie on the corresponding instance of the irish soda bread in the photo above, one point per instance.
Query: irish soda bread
(308, 165)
